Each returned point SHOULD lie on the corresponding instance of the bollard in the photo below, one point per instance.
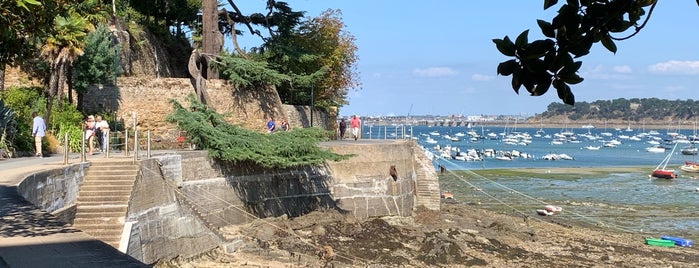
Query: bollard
(82, 147)
(148, 144)
(135, 137)
(106, 144)
(126, 142)
(66, 148)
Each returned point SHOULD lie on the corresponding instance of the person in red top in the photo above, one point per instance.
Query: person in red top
(354, 124)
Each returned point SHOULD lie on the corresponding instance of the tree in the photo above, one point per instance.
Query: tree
(61, 49)
(96, 65)
(569, 35)
(333, 60)
(22, 22)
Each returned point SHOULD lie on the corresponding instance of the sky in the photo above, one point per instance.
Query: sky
(438, 58)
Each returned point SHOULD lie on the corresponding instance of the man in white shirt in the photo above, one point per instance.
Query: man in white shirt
(103, 127)
(38, 132)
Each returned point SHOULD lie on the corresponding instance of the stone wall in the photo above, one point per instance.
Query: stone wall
(54, 190)
(147, 99)
(163, 226)
(180, 201)
(379, 180)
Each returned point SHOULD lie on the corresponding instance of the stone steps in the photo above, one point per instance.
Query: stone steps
(103, 199)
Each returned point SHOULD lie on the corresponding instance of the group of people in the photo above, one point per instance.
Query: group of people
(272, 126)
(96, 128)
(354, 126)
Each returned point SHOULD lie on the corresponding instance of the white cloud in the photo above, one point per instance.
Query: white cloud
(624, 69)
(602, 72)
(675, 67)
(434, 72)
(482, 77)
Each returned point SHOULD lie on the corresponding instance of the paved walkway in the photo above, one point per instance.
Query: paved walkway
(30, 237)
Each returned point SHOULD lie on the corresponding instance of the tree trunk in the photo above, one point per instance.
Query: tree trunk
(2, 77)
(212, 39)
(69, 79)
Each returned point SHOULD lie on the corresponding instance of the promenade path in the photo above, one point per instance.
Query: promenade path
(30, 237)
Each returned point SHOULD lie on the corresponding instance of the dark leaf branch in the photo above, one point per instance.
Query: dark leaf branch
(570, 34)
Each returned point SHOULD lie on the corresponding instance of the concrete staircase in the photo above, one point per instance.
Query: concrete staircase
(104, 198)
(427, 185)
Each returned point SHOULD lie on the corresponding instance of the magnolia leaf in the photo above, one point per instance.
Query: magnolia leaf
(608, 43)
(505, 46)
(550, 3)
(547, 28)
(564, 92)
(507, 67)
(522, 40)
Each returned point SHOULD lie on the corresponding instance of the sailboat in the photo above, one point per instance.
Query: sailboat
(661, 170)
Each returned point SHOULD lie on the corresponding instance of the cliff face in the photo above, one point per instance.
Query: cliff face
(141, 53)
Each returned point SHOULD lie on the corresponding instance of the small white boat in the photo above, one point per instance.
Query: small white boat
(543, 212)
(655, 149)
(592, 148)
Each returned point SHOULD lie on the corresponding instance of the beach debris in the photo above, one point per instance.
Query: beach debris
(447, 195)
(659, 242)
(682, 242)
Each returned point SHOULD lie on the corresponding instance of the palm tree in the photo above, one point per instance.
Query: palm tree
(60, 50)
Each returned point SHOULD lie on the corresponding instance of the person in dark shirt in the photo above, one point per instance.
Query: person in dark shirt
(343, 128)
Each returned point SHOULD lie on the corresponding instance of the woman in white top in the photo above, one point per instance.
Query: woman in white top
(90, 132)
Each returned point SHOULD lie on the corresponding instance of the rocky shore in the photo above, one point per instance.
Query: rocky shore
(458, 236)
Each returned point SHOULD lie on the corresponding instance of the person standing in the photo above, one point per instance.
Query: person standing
(343, 128)
(354, 124)
(38, 132)
(90, 133)
(102, 132)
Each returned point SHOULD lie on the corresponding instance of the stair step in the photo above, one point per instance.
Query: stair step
(98, 188)
(101, 208)
(82, 221)
(101, 232)
(89, 218)
(100, 192)
(100, 203)
(109, 182)
(103, 173)
(107, 199)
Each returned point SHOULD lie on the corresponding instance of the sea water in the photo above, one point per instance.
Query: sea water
(625, 201)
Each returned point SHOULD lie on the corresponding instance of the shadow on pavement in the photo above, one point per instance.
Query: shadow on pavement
(23, 219)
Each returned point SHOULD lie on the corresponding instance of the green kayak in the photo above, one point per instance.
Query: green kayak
(660, 242)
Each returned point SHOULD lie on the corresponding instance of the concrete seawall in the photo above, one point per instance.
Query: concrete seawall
(181, 201)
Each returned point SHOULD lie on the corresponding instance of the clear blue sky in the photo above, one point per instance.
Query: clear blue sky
(437, 57)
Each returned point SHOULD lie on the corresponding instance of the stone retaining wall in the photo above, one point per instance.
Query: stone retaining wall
(148, 100)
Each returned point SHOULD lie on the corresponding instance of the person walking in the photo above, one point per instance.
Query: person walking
(38, 132)
(343, 128)
(101, 132)
(354, 124)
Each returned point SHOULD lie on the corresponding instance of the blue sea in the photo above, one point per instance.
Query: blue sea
(623, 201)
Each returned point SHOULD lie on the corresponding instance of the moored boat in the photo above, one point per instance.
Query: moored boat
(691, 167)
(661, 170)
(689, 150)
